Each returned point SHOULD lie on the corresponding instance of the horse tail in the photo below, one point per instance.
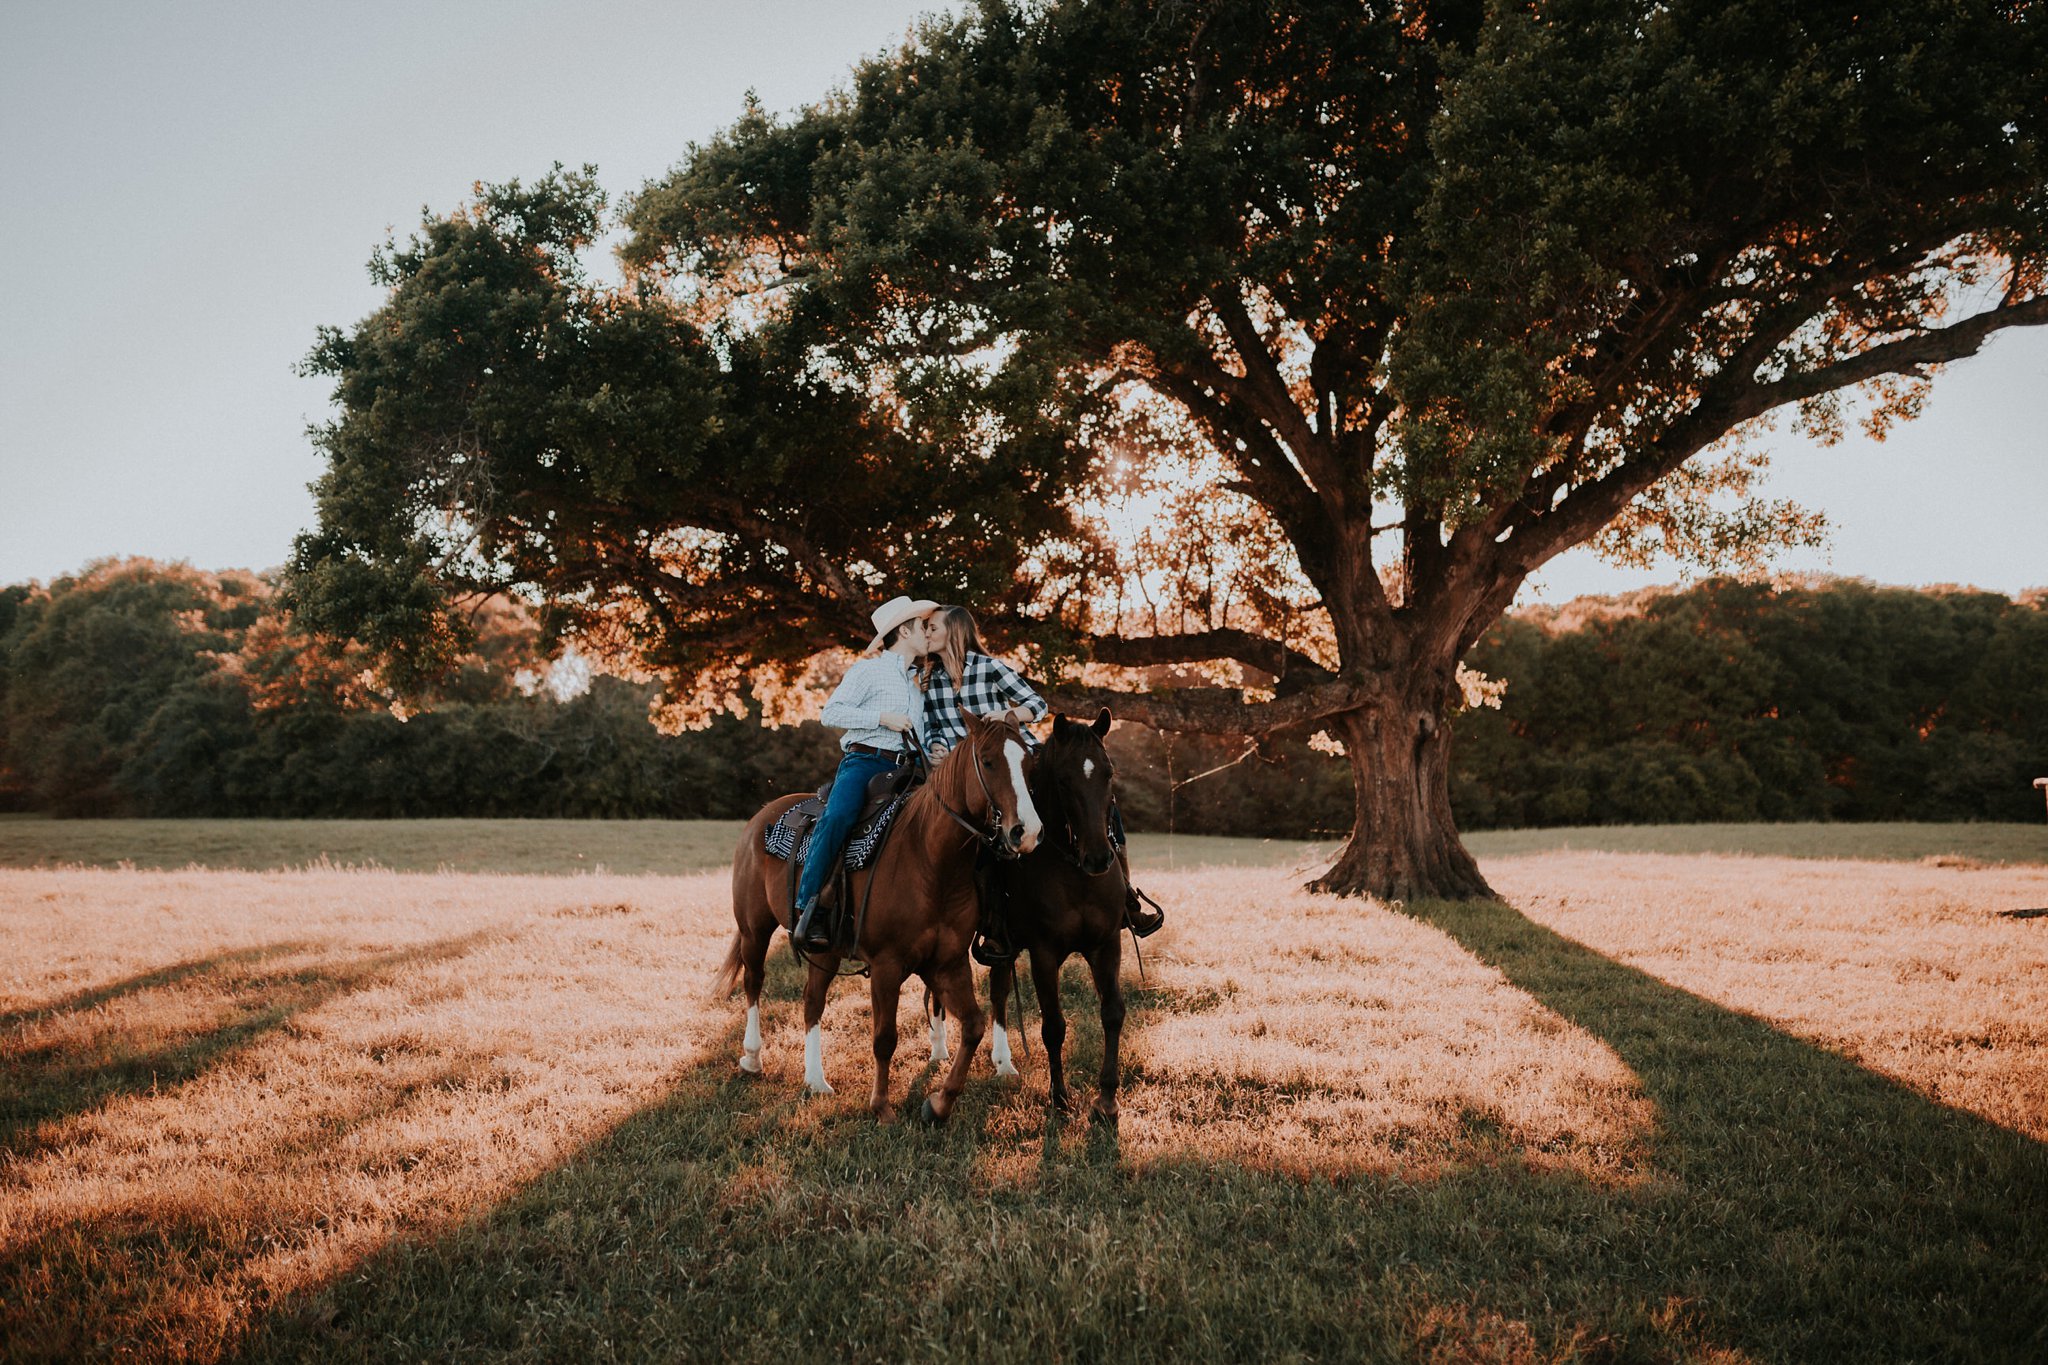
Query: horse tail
(728, 974)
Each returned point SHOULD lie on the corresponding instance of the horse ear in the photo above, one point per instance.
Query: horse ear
(1060, 726)
(1101, 726)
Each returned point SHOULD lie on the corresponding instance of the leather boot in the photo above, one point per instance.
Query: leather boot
(810, 931)
(1140, 920)
(991, 945)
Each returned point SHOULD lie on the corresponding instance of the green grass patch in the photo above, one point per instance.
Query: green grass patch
(1880, 842)
(676, 847)
(669, 847)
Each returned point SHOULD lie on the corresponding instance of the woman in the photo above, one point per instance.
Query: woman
(966, 678)
(877, 703)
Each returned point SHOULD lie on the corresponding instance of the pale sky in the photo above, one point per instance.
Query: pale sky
(192, 189)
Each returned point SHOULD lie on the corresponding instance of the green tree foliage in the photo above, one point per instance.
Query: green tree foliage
(705, 502)
(134, 688)
(1422, 295)
(1737, 701)
(141, 689)
(91, 663)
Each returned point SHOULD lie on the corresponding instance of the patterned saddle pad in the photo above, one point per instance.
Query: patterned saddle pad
(790, 836)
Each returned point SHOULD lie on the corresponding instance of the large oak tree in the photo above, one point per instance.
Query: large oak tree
(1421, 295)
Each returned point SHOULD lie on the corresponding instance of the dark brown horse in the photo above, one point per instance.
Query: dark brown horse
(1068, 898)
(920, 906)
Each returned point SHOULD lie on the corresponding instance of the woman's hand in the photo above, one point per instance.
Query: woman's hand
(897, 721)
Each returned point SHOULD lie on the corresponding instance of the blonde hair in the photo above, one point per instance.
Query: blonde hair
(963, 637)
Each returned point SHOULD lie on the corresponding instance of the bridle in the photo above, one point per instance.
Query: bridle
(1070, 848)
(991, 834)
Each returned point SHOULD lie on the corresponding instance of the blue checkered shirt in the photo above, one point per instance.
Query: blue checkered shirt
(990, 685)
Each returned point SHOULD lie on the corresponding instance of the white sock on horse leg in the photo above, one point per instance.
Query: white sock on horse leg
(750, 1055)
(999, 1051)
(814, 1061)
(939, 1051)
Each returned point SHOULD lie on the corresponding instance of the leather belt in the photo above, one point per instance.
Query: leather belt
(873, 751)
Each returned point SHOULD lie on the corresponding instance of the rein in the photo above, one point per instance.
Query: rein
(1072, 854)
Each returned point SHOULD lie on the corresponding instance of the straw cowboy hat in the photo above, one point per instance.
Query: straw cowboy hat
(894, 613)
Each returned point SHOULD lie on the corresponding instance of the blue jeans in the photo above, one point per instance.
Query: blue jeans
(842, 808)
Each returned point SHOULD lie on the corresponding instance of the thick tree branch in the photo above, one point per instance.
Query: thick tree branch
(1213, 710)
(1267, 655)
(1267, 394)
(1585, 511)
(1937, 346)
(730, 515)
(1783, 317)
(1270, 476)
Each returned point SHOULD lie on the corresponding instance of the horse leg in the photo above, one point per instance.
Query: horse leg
(1106, 964)
(753, 970)
(1045, 975)
(815, 986)
(935, 1012)
(956, 989)
(885, 986)
(1001, 978)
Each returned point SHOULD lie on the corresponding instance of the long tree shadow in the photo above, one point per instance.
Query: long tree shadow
(42, 1083)
(1794, 1207)
(1806, 1190)
(154, 979)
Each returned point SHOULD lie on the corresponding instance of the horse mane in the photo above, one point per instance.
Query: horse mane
(952, 769)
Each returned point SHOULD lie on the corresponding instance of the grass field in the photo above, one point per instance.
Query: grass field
(1651, 1107)
(678, 847)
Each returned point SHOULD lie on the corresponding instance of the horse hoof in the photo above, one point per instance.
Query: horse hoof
(1102, 1120)
(750, 1064)
(1003, 1068)
(928, 1116)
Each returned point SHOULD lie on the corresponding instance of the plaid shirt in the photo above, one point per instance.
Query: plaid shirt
(990, 685)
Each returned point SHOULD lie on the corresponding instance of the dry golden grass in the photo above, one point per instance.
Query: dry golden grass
(1908, 969)
(223, 1090)
(261, 1077)
(1307, 1034)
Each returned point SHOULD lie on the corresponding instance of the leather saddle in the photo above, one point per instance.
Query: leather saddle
(789, 837)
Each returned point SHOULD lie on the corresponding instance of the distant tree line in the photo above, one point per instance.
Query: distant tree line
(1825, 700)
(142, 689)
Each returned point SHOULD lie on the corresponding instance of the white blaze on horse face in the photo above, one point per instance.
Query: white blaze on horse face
(1087, 767)
(1027, 814)
(814, 1061)
(750, 1056)
(999, 1052)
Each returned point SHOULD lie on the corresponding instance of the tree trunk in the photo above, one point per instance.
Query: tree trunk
(1404, 844)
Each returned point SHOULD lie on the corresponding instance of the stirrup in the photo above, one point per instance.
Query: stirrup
(810, 935)
(990, 950)
(1140, 921)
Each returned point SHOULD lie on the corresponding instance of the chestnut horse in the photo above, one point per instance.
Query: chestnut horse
(920, 906)
(1067, 898)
